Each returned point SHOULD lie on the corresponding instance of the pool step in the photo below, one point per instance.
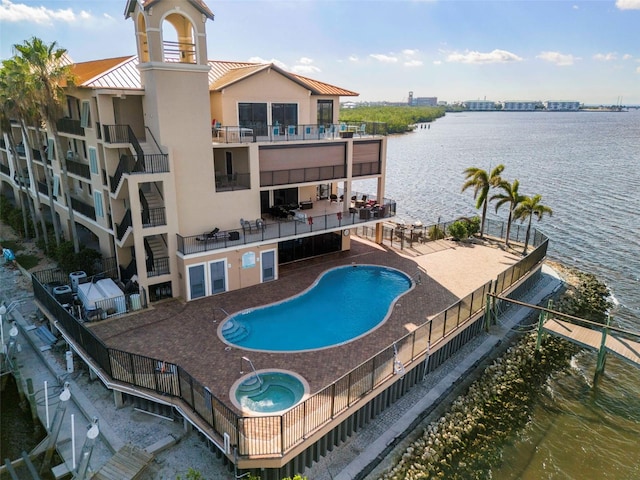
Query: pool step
(234, 331)
(251, 386)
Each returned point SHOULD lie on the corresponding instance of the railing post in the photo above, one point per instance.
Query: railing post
(542, 318)
(487, 312)
(602, 353)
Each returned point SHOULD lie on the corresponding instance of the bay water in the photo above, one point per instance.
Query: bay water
(586, 166)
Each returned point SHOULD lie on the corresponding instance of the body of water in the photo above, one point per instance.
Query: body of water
(586, 167)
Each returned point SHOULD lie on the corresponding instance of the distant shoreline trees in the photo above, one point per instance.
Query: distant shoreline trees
(399, 119)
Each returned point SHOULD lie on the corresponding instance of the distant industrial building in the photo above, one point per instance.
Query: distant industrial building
(422, 101)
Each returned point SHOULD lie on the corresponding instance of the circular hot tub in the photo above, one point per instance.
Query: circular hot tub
(268, 391)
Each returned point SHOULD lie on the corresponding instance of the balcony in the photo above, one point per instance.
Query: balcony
(159, 266)
(252, 133)
(68, 125)
(129, 164)
(78, 168)
(324, 216)
(83, 208)
(235, 181)
(153, 217)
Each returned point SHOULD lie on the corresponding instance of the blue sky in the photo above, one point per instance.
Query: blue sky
(588, 51)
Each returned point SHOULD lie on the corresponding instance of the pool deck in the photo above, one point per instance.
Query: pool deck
(186, 333)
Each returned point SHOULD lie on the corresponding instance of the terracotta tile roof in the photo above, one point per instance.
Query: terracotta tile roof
(121, 72)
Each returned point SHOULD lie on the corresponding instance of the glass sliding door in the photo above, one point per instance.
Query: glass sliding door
(325, 112)
(268, 262)
(218, 271)
(196, 282)
(254, 116)
(285, 115)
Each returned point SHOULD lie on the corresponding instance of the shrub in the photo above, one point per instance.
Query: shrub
(458, 230)
(473, 226)
(436, 233)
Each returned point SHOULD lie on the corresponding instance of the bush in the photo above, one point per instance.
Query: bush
(458, 230)
(436, 233)
(69, 261)
(473, 226)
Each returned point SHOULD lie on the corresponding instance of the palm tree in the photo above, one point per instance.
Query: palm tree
(481, 183)
(16, 100)
(509, 196)
(527, 209)
(50, 72)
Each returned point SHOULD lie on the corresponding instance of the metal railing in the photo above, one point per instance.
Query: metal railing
(78, 168)
(153, 217)
(281, 229)
(69, 125)
(124, 225)
(159, 267)
(179, 52)
(153, 163)
(260, 132)
(83, 208)
(278, 434)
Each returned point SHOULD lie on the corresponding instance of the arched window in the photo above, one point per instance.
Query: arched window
(178, 39)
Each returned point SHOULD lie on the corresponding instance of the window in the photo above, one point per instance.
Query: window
(284, 114)
(253, 115)
(325, 112)
(85, 115)
(97, 200)
(93, 160)
(268, 265)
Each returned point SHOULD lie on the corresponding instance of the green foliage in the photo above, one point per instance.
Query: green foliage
(473, 226)
(27, 261)
(69, 261)
(458, 230)
(12, 217)
(436, 233)
(12, 245)
(191, 475)
(398, 119)
(295, 477)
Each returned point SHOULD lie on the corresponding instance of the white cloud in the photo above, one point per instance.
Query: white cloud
(576, 7)
(413, 63)
(628, 4)
(437, 62)
(605, 57)
(627, 56)
(638, 70)
(384, 58)
(560, 59)
(305, 67)
(409, 52)
(495, 56)
(276, 62)
(353, 58)
(20, 12)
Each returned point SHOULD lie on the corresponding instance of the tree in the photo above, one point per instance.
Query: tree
(527, 209)
(511, 197)
(16, 96)
(50, 72)
(482, 183)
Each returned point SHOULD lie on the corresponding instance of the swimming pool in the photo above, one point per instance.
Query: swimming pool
(342, 305)
(268, 391)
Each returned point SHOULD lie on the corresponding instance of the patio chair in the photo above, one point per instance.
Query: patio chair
(246, 225)
(260, 225)
(212, 235)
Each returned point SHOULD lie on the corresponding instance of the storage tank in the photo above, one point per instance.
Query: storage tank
(77, 278)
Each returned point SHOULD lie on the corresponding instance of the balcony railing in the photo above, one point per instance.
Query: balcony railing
(68, 125)
(234, 181)
(121, 228)
(284, 229)
(78, 168)
(160, 267)
(153, 217)
(83, 208)
(301, 175)
(256, 132)
(155, 163)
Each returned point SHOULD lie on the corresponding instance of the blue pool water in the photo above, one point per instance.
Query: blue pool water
(274, 392)
(345, 303)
